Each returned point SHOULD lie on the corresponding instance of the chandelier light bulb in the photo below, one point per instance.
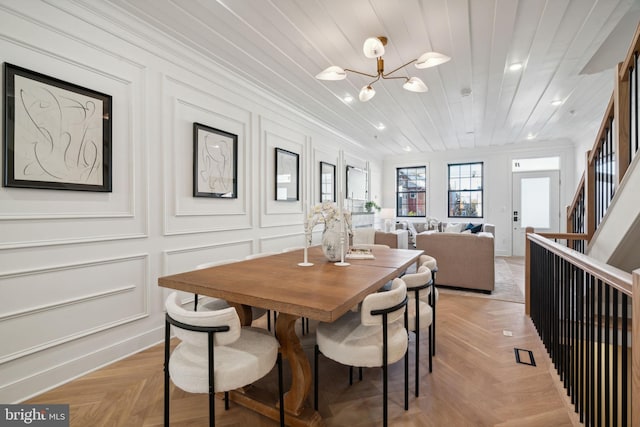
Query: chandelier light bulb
(366, 93)
(414, 84)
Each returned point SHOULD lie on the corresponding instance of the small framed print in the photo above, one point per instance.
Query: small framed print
(287, 169)
(215, 163)
(57, 135)
(327, 182)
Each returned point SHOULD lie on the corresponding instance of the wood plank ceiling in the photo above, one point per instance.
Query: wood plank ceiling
(474, 100)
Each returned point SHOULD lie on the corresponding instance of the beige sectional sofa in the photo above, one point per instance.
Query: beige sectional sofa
(464, 260)
(398, 239)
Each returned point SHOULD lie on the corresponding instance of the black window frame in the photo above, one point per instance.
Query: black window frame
(416, 193)
(469, 190)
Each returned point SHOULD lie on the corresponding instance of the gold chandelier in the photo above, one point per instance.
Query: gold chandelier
(374, 48)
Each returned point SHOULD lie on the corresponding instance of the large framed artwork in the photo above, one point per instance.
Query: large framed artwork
(287, 168)
(215, 163)
(57, 135)
(327, 182)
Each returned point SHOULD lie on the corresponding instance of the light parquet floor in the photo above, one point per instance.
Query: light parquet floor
(475, 382)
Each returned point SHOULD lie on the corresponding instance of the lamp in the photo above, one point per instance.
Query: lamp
(388, 215)
(374, 48)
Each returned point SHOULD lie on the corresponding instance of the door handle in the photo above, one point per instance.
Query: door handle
(515, 216)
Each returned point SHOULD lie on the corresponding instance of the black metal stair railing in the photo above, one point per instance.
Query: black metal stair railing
(582, 316)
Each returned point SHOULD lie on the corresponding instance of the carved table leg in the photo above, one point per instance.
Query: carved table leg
(291, 349)
(244, 313)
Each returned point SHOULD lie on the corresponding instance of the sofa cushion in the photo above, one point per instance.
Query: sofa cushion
(453, 228)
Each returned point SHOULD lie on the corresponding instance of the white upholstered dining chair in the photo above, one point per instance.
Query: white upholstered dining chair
(420, 313)
(432, 264)
(215, 354)
(374, 337)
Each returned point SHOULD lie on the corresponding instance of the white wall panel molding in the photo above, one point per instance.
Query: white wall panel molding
(32, 217)
(114, 292)
(277, 243)
(187, 258)
(42, 377)
(279, 135)
(187, 104)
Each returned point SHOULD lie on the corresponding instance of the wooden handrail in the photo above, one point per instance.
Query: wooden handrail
(565, 236)
(623, 73)
(602, 132)
(616, 278)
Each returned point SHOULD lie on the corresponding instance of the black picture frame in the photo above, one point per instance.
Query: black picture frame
(287, 171)
(327, 182)
(215, 162)
(356, 183)
(57, 135)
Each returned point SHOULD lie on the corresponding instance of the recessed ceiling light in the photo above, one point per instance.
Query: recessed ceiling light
(531, 136)
(556, 102)
(348, 99)
(515, 66)
(380, 126)
(407, 148)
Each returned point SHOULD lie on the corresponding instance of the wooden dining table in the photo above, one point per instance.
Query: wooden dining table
(323, 292)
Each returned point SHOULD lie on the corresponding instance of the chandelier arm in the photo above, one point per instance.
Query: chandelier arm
(395, 78)
(384, 76)
(377, 78)
(364, 74)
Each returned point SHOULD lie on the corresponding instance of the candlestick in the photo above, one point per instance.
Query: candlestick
(306, 262)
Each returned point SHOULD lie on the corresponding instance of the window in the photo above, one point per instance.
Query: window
(411, 195)
(465, 190)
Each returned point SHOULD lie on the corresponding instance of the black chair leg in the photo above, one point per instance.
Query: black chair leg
(350, 375)
(280, 387)
(417, 334)
(430, 354)
(269, 320)
(167, 338)
(360, 373)
(195, 302)
(315, 377)
(226, 400)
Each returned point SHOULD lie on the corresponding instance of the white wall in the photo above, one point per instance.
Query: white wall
(497, 181)
(78, 270)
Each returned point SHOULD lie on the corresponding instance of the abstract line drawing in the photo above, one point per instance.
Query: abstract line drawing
(58, 134)
(287, 167)
(214, 162)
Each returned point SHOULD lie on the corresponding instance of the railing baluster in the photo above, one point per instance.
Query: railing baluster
(599, 351)
(576, 312)
(615, 357)
(607, 361)
(625, 368)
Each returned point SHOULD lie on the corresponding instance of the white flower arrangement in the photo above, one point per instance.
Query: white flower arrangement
(328, 214)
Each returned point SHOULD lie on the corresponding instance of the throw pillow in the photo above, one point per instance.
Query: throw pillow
(468, 227)
(476, 228)
(468, 231)
(453, 228)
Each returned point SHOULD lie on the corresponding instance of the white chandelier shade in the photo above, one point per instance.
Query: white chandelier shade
(366, 93)
(414, 84)
(374, 48)
(332, 73)
(431, 59)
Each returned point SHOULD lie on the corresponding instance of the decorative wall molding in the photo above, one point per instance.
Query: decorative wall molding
(186, 104)
(55, 312)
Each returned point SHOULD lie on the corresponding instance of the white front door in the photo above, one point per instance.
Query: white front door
(536, 203)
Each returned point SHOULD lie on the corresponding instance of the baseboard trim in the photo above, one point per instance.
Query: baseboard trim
(57, 375)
